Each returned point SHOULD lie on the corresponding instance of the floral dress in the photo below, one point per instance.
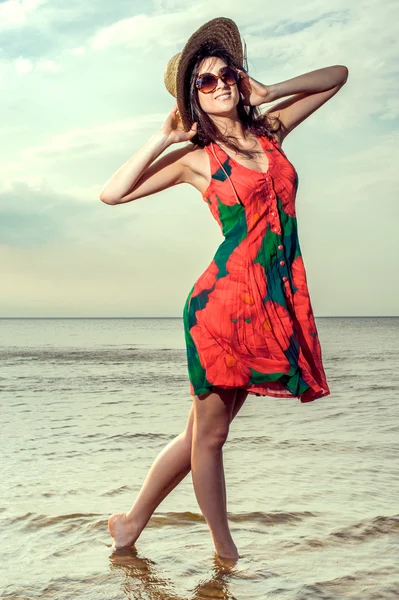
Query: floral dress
(248, 319)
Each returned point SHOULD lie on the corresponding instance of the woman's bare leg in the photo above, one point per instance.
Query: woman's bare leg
(239, 400)
(169, 468)
(212, 417)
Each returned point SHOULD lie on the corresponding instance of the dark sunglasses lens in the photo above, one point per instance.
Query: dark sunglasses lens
(207, 83)
(229, 76)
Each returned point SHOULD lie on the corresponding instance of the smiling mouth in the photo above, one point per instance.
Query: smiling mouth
(223, 96)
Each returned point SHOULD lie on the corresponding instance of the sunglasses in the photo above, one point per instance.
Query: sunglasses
(207, 82)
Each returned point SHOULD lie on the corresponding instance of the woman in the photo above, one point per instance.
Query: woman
(248, 320)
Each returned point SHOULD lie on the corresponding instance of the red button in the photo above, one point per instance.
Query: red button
(280, 247)
(285, 278)
(271, 195)
(282, 263)
(273, 213)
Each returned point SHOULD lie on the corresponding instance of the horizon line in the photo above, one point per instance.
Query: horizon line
(102, 318)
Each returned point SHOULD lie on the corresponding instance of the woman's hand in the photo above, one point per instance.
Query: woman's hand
(173, 128)
(254, 93)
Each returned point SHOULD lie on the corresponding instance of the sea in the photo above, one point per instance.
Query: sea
(312, 488)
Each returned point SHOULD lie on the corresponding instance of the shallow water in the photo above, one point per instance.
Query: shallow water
(312, 488)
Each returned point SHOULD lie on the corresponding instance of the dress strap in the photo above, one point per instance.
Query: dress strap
(228, 176)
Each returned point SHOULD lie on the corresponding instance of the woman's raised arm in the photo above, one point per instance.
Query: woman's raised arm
(138, 177)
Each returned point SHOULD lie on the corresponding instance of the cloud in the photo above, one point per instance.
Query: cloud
(33, 216)
(144, 31)
(15, 13)
(87, 140)
(36, 216)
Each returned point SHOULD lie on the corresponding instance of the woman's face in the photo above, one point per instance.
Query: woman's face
(224, 99)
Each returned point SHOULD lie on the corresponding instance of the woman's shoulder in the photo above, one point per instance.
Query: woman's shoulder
(193, 152)
(196, 159)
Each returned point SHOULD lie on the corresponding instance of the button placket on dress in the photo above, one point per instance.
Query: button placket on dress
(276, 228)
(271, 195)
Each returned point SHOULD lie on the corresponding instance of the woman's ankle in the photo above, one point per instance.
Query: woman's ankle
(135, 523)
(226, 549)
(227, 552)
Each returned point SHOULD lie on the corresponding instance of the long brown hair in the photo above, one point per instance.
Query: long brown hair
(250, 116)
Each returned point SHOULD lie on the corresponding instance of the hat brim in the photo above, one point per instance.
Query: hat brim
(221, 31)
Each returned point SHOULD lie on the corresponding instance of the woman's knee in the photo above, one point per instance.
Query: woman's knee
(211, 434)
(212, 417)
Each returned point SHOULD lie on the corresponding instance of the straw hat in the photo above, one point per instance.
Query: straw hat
(222, 31)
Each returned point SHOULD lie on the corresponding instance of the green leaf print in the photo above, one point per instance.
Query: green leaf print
(288, 223)
(268, 250)
(220, 175)
(234, 227)
(257, 377)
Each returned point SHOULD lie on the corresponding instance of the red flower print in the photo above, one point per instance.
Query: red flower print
(268, 333)
(218, 358)
(301, 299)
(207, 280)
(285, 182)
(238, 294)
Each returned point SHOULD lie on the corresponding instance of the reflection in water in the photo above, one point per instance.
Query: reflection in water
(141, 577)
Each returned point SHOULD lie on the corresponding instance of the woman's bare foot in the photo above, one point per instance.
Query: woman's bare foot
(227, 554)
(122, 530)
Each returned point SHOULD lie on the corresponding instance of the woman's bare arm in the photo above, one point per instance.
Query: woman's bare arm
(124, 179)
(138, 177)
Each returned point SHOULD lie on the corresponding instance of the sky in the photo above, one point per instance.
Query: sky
(81, 90)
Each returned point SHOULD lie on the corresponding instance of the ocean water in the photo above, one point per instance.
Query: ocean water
(312, 489)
